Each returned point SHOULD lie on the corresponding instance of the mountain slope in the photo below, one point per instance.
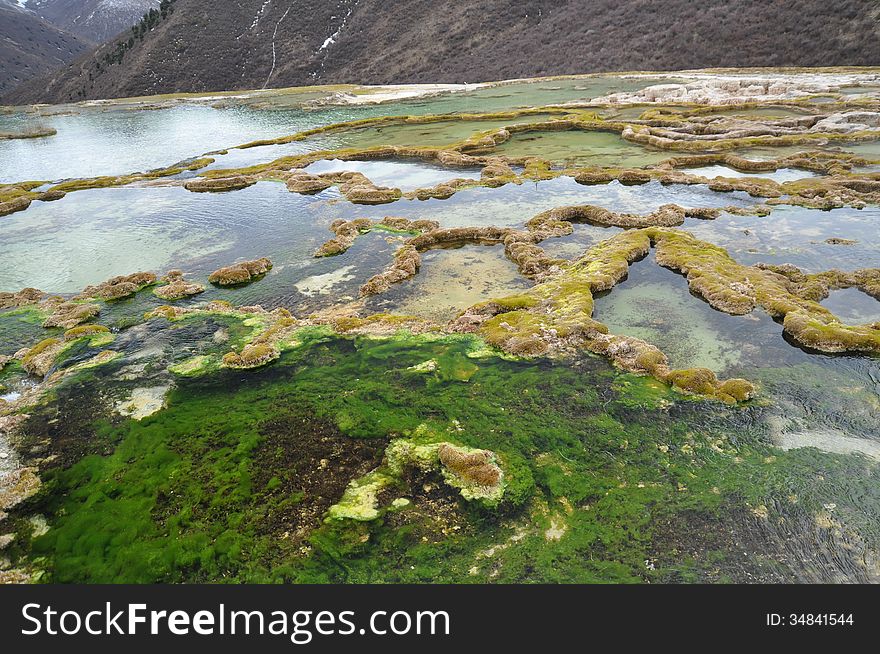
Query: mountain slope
(199, 45)
(30, 47)
(96, 20)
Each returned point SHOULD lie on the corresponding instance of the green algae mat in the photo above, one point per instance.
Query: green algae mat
(601, 329)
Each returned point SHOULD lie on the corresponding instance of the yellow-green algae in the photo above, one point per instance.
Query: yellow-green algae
(424, 452)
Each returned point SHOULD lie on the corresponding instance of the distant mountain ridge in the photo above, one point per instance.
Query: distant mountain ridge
(38, 36)
(202, 45)
(96, 20)
(30, 47)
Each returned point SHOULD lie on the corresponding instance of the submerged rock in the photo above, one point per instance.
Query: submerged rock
(143, 402)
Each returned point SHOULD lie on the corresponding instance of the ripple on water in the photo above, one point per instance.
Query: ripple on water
(93, 142)
(655, 304)
(781, 175)
(404, 175)
(853, 306)
(450, 280)
(92, 235)
(797, 235)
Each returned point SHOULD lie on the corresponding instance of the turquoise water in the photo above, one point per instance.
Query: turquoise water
(396, 174)
(797, 235)
(92, 235)
(781, 175)
(103, 141)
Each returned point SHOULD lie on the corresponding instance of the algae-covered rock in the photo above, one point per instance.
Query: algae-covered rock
(12, 205)
(24, 297)
(84, 331)
(39, 359)
(241, 273)
(406, 264)
(299, 181)
(369, 193)
(175, 287)
(219, 184)
(17, 486)
(117, 288)
(71, 314)
(360, 500)
(252, 356)
(346, 231)
(474, 472)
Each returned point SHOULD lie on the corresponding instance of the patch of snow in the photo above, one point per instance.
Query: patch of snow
(330, 40)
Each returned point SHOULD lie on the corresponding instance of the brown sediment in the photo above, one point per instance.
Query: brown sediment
(117, 288)
(175, 287)
(241, 273)
(476, 467)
